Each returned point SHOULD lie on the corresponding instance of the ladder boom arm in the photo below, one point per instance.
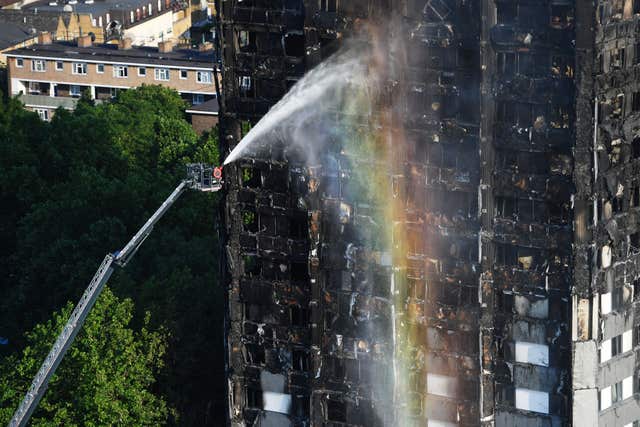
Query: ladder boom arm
(62, 344)
(79, 314)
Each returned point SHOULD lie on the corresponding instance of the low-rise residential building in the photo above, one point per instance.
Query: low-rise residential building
(51, 75)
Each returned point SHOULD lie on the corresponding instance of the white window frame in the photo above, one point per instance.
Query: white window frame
(113, 92)
(100, 68)
(43, 113)
(200, 98)
(38, 65)
(161, 74)
(59, 65)
(73, 92)
(199, 77)
(121, 71)
(142, 71)
(186, 74)
(19, 62)
(79, 68)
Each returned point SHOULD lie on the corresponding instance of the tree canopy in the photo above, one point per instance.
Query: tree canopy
(80, 186)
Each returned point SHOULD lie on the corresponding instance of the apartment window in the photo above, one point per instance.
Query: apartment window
(100, 68)
(162, 74)
(19, 62)
(535, 354)
(616, 59)
(38, 65)
(635, 101)
(329, 5)
(142, 71)
(59, 65)
(120, 71)
(183, 74)
(79, 68)
(532, 400)
(113, 91)
(74, 90)
(34, 88)
(204, 77)
(616, 345)
(197, 98)
(43, 113)
(616, 393)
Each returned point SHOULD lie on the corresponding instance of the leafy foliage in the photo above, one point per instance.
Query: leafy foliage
(80, 186)
(105, 378)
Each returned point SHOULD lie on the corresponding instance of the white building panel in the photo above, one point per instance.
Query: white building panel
(532, 400)
(536, 354)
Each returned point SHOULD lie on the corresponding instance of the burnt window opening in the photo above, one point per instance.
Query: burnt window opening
(300, 360)
(253, 397)
(298, 316)
(616, 345)
(617, 298)
(249, 221)
(294, 45)
(245, 87)
(299, 271)
(636, 289)
(247, 41)
(504, 302)
(250, 177)
(506, 64)
(634, 201)
(506, 13)
(466, 58)
(617, 59)
(634, 240)
(252, 266)
(636, 52)
(635, 101)
(561, 16)
(559, 116)
(521, 257)
(635, 147)
(562, 66)
(336, 411)
(533, 15)
(255, 354)
(636, 6)
(505, 207)
(301, 406)
(329, 5)
(533, 64)
(298, 227)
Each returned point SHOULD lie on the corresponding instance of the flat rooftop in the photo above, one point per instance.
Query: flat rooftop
(111, 54)
(96, 8)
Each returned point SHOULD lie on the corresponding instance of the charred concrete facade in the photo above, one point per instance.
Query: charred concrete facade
(519, 139)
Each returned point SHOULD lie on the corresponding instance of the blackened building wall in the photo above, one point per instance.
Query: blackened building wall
(517, 180)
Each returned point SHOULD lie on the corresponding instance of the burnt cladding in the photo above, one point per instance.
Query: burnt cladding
(515, 171)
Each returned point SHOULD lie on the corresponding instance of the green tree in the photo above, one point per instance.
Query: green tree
(81, 186)
(106, 377)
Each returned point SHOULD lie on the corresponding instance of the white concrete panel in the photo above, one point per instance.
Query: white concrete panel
(532, 400)
(605, 303)
(536, 354)
(627, 341)
(605, 351)
(605, 398)
(276, 402)
(585, 408)
(442, 385)
(627, 387)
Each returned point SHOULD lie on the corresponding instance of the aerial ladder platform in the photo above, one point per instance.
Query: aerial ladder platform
(200, 177)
